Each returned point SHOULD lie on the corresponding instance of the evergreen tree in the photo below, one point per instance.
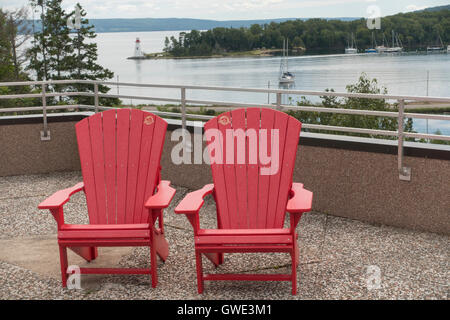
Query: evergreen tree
(58, 54)
(83, 61)
(59, 46)
(8, 56)
(6, 66)
(51, 47)
(18, 32)
(38, 54)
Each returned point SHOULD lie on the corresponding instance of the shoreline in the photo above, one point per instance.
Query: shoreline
(253, 53)
(270, 53)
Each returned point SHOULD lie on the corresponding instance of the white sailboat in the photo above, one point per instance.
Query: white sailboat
(285, 75)
(396, 44)
(439, 48)
(351, 46)
(382, 48)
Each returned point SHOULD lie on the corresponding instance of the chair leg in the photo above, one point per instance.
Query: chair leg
(64, 264)
(294, 272)
(198, 258)
(154, 266)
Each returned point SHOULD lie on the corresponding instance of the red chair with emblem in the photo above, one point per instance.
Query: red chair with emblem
(120, 152)
(252, 195)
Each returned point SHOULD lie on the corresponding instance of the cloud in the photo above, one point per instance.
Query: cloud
(230, 9)
(413, 7)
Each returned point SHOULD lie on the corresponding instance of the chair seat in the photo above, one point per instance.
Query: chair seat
(104, 232)
(235, 237)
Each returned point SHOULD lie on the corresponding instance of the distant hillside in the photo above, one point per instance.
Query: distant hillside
(176, 24)
(170, 24)
(446, 7)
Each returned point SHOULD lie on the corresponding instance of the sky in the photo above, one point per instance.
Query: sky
(239, 9)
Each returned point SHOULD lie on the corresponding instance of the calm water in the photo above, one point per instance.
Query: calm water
(400, 74)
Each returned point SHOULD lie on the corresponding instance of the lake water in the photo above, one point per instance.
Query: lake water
(400, 74)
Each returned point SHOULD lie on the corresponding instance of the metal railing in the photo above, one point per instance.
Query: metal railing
(404, 172)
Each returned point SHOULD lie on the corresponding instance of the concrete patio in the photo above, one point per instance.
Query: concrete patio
(334, 255)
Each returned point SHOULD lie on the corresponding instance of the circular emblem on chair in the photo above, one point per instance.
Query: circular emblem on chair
(224, 120)
(148, 120)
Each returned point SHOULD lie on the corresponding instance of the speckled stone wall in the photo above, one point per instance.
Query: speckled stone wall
(22, 151)
(354, 184)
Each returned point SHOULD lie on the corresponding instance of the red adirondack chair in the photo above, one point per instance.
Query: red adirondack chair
(251, 204)
(120, 153)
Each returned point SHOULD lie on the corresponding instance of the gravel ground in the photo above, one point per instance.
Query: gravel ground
(334, 256)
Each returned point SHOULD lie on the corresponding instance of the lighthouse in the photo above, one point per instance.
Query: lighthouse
(137, 49)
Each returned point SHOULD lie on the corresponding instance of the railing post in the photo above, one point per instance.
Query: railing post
(404, 172)
(183, 108)
(279, 101)
(45, 134)
(96, 96)
(187, 144)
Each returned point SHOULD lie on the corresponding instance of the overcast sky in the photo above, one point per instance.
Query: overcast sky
(237, 9)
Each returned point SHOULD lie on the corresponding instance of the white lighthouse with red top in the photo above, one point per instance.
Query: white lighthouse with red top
(137, 49)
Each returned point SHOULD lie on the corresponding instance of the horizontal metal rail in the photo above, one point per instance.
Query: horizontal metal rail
(51, 94)
(185, 103)
(40, 108)
(235, 89)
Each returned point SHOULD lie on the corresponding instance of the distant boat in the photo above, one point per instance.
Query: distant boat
(382, 48)
(373, 48)
(397, 46)
(439, 48)
(285, 75)
(448, 49)
(351, 46)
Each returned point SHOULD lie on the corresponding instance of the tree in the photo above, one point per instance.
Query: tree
(416, 30)
(82, 62)
(37, 54)
(6, 66)
(51, 46)
(9, 71)
(59, 46)
(364, 85)
(56, 54)
(18, 32)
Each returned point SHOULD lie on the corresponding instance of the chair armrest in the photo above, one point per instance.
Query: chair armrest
(162, 198)
(59, 198)
(301, 200)
(193, 201)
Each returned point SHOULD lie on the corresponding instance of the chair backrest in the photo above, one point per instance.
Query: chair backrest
(120, 152)
(252, 194)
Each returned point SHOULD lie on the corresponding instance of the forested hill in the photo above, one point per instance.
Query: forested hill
(415, 30)
(447, 7)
